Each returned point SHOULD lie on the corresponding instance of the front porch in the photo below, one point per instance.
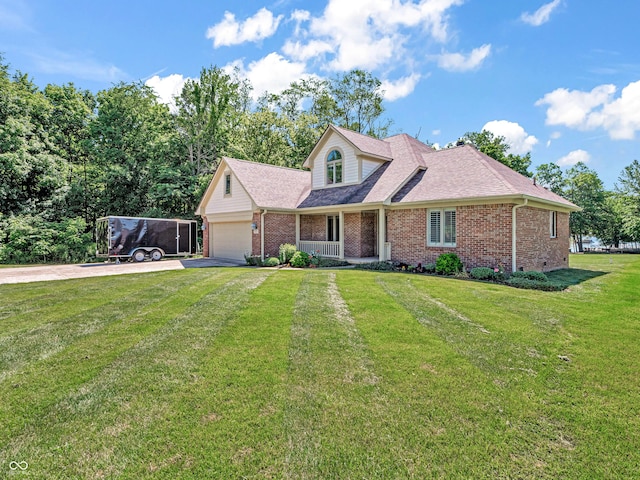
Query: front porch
(333, 249)
(355, 236)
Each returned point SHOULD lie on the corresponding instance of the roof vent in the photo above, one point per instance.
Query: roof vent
(460, 143)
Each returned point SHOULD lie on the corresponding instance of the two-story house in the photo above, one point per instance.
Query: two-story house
(391, 199)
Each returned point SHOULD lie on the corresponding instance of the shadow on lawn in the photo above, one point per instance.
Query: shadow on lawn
(573, 276)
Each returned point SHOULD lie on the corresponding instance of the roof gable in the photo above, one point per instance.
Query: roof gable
(268, 186)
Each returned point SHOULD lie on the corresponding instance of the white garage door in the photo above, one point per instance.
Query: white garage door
(231, 240)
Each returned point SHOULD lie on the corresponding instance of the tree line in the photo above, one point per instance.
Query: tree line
(69, 156)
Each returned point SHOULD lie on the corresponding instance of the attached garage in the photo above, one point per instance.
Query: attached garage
(230, 240)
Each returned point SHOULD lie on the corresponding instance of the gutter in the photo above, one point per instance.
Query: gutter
(514, 243)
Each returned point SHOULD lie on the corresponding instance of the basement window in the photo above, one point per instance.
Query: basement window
(441, 227)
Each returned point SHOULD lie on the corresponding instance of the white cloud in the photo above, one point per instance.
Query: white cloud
(393, 90)
(574, 157)
(436, 132)
(572, 108)
(299, 16)
(272, 73)
(541, 15)
(620, 117)
(515, 136)
(367, 33)
(304, 52)
(458, 62)
(230, 32)
(167, 88)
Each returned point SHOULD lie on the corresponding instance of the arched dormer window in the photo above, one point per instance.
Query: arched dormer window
(334, 167)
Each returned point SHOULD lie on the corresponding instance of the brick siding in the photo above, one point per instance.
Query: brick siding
(483, 237)
(536, 250)
(279, 228)
(205, 237)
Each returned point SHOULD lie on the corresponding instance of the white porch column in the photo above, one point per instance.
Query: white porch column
(297, 230)
(341, 230)
(381, 239)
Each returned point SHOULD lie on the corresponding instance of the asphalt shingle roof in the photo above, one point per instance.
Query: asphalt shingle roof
(415, 173)
(271, 186)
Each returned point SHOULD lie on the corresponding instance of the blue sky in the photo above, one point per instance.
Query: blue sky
(558, 78)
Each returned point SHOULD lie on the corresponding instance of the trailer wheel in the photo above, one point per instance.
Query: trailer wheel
(139, 255)
(155, 255)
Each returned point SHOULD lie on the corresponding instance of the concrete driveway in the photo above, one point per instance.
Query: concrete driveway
(63, 272)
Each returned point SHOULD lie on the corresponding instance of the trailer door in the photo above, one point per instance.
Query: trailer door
(184, 238)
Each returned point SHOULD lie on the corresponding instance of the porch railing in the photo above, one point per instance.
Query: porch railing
(324, 249)
(387, 251)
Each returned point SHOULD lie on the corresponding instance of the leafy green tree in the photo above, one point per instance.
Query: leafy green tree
(72, 111)
(585, 189)
(357, 103)
(610, 229)
(33, 175)
(629, 189)
(550, 175)
(209, 109)
(496, 147)
(131, 136)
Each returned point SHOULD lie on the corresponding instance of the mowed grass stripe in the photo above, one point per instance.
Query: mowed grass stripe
(330, 386)
(447, 416)
(50, 301)
(128, 322)
(221, 415)
(107, 425)
(39, 335)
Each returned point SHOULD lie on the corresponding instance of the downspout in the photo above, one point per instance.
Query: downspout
(514, 243)
(264, 211)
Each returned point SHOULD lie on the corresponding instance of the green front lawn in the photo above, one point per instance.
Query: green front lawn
(259, 373)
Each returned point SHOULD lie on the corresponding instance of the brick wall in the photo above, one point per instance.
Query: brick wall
(483, 237)
(279, 228)
(536, 250)
(205, 237)
(369, 234)
(352, 234)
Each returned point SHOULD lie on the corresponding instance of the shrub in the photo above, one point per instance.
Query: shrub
(448, 264)
(482, 273)
(253, 260)
(271, 262)
(531, 275)
(32, 239)
(384, 266)
(286, 251)
(300, 259)
(430, 268)
(522, 282)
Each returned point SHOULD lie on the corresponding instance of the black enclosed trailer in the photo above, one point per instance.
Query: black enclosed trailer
(138, 238)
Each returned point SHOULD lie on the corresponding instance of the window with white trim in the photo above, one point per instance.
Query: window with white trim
(227, 184)
(553, 224)
(441, 227)
(334, 167)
